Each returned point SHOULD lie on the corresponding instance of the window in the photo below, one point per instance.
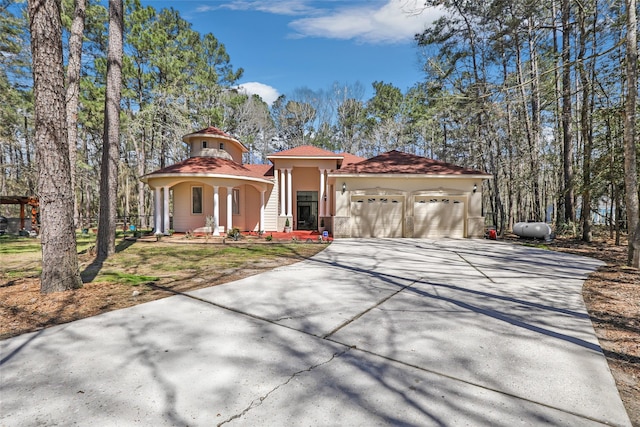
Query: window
(196, 200)
(222, 145)
(236, 201)
(204, 144)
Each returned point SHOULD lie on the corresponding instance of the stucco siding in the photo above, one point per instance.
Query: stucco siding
(183, 218)
(251, 209)
(305, 179)
(470, 222)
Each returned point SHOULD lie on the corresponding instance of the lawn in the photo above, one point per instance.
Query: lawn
(140, 271)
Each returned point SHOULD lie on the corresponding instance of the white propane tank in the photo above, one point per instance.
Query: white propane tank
(535, 230)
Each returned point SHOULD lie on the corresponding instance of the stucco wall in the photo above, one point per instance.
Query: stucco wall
(183, 218)
(410, 187)
(213, 143)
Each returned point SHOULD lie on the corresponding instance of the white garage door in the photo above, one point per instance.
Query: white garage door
(435, 217)
(377, 216)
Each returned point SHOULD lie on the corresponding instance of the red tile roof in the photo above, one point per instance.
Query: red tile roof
(396, 162)
(262, 170)
(211, 130)
(350, 159)
(306, 151)
(215, 165)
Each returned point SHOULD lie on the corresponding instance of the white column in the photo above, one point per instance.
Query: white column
(165, 228)
(261, 226)
(157, 216)
(216, 210)
(229, 209)
(282, 193)
(322, 204)
(289, 194)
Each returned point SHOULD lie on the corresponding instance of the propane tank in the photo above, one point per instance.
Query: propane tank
(534, 230)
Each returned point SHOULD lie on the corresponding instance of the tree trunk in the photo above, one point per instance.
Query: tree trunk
(73, 93)
(630, 168)
(586, 114)
(106, 244)
(59, 252)
(567, 137)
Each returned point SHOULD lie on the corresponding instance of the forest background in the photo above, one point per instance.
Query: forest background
(535, 93)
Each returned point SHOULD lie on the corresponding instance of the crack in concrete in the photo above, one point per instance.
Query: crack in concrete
(257, 402)
(378, 304)
(473, 266)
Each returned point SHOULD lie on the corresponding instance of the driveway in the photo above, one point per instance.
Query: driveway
(369, 332)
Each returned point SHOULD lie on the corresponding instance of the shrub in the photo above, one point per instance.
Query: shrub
(234, 234)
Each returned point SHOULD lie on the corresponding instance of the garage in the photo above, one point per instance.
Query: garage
(377, 216)
(399, 194)
(435, 217)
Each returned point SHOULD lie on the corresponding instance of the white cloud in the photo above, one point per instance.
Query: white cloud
(266, 92)
(278, 7)
(395, 21)
(370, 21)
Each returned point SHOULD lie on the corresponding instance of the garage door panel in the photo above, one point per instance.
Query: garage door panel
(438, 217)
(377, 216)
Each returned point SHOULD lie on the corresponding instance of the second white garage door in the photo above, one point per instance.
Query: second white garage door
(435, 217)
(377, 216)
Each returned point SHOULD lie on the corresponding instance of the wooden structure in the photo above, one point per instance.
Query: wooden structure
(23, 201)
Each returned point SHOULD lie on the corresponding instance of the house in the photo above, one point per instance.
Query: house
(394, 194)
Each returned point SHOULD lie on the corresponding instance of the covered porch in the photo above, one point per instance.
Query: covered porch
(217, 203)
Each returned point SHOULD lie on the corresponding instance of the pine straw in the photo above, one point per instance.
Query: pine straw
(612, 297)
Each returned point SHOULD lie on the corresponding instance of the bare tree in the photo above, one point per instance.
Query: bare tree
(106, 244)
(59, 252)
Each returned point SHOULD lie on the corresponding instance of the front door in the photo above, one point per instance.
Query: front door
(307, 210)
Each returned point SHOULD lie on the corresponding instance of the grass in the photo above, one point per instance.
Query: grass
(142, 262)
(139, 272)
(125, 278)
(537, 246)
(10, 245)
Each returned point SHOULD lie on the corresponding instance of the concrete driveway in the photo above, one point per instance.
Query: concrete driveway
(369, 332)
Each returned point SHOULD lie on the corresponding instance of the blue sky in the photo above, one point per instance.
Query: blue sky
(287, 44)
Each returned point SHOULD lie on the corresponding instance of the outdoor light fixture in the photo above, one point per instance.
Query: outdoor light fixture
(475, 187)
(344, 187)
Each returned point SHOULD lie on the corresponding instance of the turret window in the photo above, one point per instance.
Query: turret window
(204, 144)
(222, 145)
